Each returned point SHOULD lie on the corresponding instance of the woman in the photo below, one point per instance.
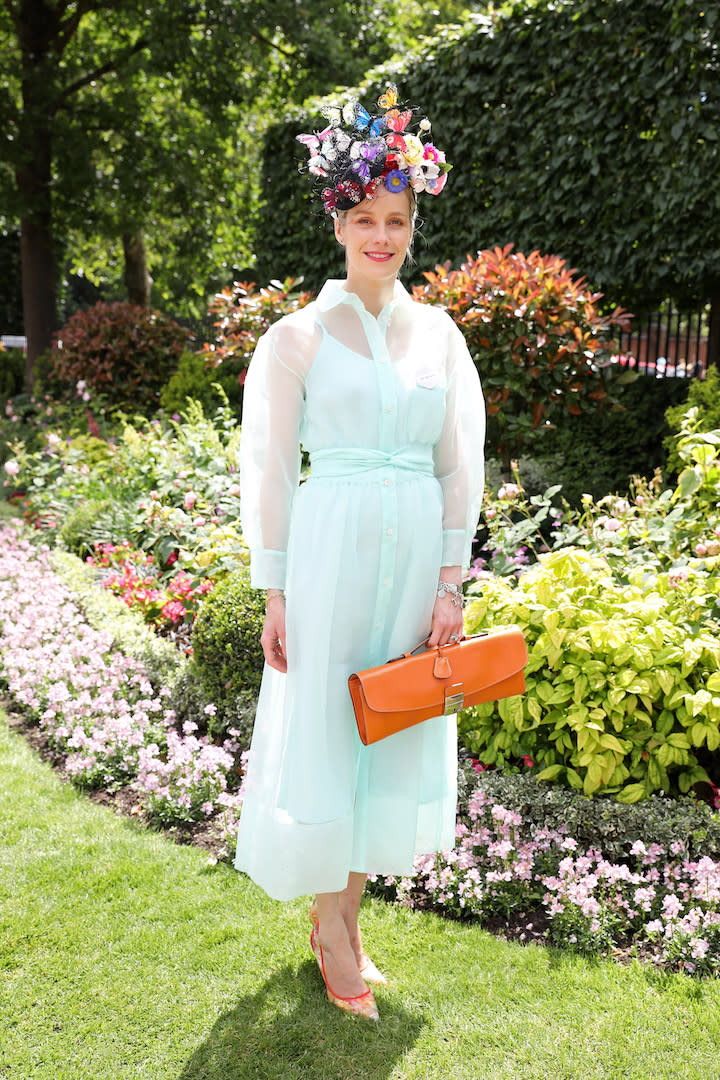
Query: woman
(365, 558)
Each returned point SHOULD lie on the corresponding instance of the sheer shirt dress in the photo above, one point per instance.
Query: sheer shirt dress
(391, 413)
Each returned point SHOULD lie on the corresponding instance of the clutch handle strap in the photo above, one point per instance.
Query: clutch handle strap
(449, 645)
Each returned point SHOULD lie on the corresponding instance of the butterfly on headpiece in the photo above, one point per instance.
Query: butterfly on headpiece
(396, 142)
(398, 121)
(363, 120)
(389, 99)
(341, 115)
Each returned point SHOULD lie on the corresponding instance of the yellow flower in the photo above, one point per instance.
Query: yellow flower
(414, 150)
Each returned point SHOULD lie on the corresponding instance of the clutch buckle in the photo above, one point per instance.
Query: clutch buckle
(454, 698)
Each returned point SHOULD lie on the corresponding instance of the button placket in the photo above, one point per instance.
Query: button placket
(387, 394)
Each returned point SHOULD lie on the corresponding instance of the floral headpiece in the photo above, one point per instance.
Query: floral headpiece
(357, 152)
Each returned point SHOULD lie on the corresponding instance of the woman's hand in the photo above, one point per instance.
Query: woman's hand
(272, 638)
(447, 617)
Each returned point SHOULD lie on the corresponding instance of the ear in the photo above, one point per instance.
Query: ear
(338, 231)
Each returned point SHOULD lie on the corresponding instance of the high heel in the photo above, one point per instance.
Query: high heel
(367, 969)
(361, 1004)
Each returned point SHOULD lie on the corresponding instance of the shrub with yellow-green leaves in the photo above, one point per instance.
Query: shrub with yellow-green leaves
(623, 689)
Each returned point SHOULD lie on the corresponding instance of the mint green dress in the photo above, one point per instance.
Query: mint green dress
(392, 415)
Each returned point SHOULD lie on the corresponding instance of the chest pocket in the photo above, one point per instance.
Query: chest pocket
(426, 407)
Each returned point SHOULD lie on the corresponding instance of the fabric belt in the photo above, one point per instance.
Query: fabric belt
(340, 462)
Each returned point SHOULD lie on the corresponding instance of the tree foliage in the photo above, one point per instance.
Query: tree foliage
(120, 117)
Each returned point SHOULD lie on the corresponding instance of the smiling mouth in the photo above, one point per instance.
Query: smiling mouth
(379, 256)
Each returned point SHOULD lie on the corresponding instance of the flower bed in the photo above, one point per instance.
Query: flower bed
(96, 705)
(658, 902)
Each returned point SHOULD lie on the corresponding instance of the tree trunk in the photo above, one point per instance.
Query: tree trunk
(137, 279)
(38, 291)
(37, 25)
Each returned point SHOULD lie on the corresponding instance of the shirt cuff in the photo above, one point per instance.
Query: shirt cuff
(267, 569)
(454, 548)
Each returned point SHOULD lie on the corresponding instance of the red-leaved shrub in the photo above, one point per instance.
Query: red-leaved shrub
(123, 351)
(541, 343)
(242, 315)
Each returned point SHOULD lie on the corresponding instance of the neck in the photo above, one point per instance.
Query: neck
(375, 295)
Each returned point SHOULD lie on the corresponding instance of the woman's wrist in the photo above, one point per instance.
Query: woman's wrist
(453, 574)
(274, 594)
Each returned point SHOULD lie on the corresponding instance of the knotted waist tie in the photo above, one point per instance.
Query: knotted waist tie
(342, 462)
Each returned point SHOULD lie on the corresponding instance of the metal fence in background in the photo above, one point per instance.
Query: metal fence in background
(669, 344)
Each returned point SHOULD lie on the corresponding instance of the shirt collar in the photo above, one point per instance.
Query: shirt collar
(334, 293)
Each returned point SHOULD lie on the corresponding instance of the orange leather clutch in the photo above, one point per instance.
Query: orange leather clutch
(441, 681)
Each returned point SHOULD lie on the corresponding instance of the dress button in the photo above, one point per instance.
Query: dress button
(386, 581)
(389, 408)
(387, 483)
(389, 532)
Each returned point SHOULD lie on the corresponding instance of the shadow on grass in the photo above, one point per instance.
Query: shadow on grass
(288, 1030)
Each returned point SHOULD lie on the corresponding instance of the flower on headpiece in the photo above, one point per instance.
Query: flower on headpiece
(396, 180)
(414, 150)
(329, 199)
(436, 185)
(430, 153)
(418, 177)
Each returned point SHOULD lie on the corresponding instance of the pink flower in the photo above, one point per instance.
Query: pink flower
(12, 468)
(190, 500)
(436, 185)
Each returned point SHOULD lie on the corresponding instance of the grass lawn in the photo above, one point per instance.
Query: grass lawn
(125, 956)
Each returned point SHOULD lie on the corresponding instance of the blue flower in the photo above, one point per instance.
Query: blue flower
(396, 180)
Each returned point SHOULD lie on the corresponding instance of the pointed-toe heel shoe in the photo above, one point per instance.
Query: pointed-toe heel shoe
(367, 969)
(360, 1005)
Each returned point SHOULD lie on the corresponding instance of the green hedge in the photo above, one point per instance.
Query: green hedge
(227, 653)
(586, 128)
(602, 823)
(599, 452)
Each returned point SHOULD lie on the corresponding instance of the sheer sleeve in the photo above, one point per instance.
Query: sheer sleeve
(270, 452)
(459, 453)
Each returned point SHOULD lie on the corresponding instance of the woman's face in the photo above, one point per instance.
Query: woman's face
(376, 235)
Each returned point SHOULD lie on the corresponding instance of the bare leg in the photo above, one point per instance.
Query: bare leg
(341, 967)
(349, 900)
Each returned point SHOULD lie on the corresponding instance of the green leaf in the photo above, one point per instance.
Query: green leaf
(631, 794)
(552, 772)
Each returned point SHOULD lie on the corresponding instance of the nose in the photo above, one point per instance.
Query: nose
(381, 234)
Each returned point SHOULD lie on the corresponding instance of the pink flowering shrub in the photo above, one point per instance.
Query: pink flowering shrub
(97, 706)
